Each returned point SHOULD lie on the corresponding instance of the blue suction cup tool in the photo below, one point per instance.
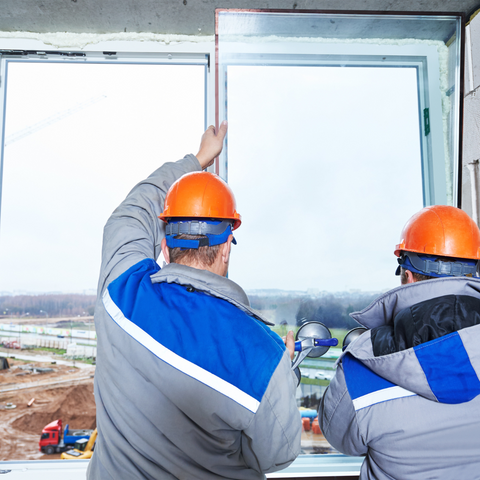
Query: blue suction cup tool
(352, 335)
(313, 340)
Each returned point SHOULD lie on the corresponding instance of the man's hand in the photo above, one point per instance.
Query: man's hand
(290, 344)
(211, 145)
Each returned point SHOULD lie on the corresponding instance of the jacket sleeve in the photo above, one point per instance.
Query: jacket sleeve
(337, 418)
(272, 440)
(134, 232)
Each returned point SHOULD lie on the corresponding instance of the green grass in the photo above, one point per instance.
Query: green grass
(340, 334)
(313, 367)
(58, 351)
(86, 360)
(314, 381)
(62, 351)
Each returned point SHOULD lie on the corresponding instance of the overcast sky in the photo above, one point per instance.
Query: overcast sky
(324, 162)
(61, 183)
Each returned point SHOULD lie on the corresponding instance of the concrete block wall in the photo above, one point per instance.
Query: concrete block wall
(47, 342)
(74, 350)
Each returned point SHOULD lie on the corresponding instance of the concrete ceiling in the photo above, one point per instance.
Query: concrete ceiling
(188, 17)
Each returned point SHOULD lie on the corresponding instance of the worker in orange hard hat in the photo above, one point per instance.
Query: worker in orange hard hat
(438, 241)
(414, 375)
(200, 213)
(190, 381)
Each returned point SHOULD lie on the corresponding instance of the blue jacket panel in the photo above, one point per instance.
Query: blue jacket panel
(406, 393)
(199, 328)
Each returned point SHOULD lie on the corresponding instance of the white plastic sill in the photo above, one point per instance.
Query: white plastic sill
(304, 466)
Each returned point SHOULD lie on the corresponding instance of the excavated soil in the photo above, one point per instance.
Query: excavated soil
(20, 428)
(70, 399)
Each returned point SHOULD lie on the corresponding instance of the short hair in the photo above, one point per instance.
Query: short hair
(417, 276)
(204, 256)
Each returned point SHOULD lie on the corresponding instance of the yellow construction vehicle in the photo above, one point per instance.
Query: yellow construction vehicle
(83, 448)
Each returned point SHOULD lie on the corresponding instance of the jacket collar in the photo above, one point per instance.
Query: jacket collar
(209, 283)
(383, 310)
(403, 368)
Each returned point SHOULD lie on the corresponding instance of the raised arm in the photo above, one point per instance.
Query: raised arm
(134, 232)
(211, 144)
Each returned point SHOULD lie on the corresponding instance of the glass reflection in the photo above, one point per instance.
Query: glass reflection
(325, 163)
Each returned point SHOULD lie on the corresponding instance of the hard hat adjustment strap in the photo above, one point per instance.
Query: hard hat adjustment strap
(185, 244)
(196, 227)
(438, 267)
(222, 229)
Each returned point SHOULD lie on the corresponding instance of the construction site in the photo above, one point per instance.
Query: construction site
(40, 383)
(331, 123)
(31, 398)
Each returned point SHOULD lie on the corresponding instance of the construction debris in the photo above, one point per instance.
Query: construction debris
(4, 363)
(55, 394)
(34, 369)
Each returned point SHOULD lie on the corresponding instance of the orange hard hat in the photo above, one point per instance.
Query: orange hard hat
(201, 195)
(442, 231)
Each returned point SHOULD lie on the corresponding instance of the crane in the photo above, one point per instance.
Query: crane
(14, 137)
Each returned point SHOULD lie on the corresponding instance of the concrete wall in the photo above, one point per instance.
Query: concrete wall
(471, 123)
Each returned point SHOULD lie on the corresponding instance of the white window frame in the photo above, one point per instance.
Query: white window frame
(107, 52)
(422, 57)
(149, 52)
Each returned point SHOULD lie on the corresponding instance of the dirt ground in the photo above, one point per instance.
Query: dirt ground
(67, 395)
(64, 393)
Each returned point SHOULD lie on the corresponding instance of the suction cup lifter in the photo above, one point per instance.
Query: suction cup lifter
(313, 340)
(352, 335)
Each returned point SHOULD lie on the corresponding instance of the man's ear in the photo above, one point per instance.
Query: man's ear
(165, 251)
(226, 247)
(410, 277)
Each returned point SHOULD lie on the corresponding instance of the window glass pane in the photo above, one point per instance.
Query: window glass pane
(78, 136)
(431, 44)
(340, 128)
(325, 164)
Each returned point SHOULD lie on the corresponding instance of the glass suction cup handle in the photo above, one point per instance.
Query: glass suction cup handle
(313, 340)
(317, 342)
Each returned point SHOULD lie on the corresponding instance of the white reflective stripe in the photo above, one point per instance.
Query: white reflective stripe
(379, 396)
(176, 361)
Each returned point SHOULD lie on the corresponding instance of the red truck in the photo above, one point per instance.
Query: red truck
(11, 344)
(51, 440)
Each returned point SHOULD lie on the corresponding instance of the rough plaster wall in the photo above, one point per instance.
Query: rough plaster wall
(471, 122)
(80, 41)
(184, 17)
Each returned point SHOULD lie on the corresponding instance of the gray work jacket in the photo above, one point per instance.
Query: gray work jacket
(190, 382)
(414, 413)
